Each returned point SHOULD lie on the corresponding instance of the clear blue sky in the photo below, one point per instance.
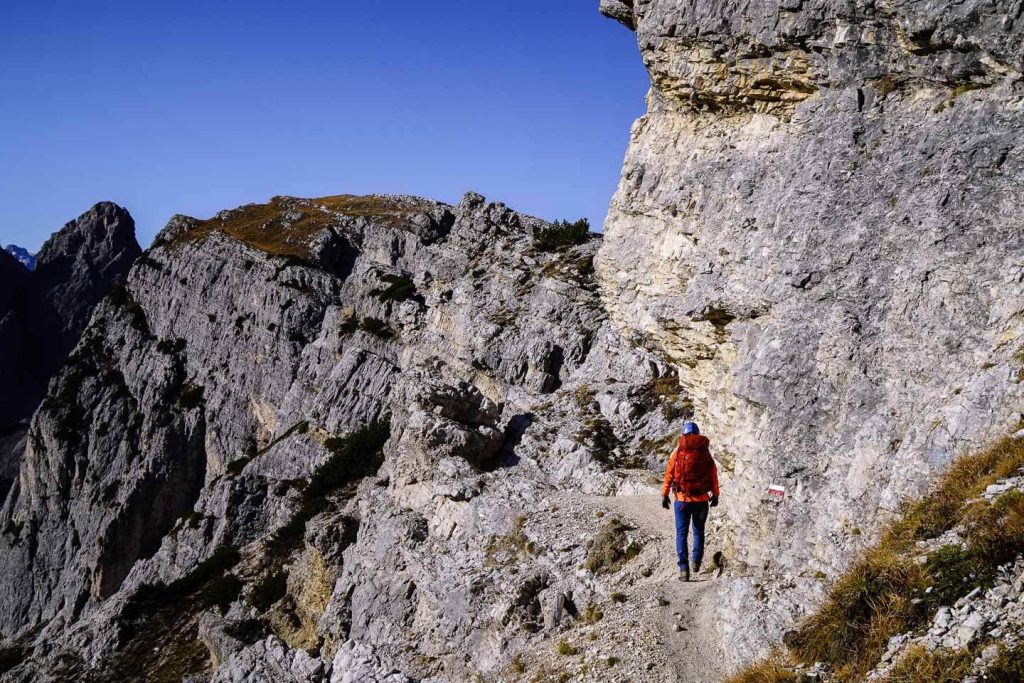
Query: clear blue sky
(192, 107)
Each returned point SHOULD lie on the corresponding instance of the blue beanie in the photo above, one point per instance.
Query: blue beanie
(690, 428)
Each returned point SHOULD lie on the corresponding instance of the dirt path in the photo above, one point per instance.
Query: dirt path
(692, 653)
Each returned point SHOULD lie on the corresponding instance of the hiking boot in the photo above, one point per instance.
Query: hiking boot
(684, 574)
(696, 567)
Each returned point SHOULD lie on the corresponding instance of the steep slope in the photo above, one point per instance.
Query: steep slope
(819, 223)
(939, 598)
(43, 312)
(342, 421)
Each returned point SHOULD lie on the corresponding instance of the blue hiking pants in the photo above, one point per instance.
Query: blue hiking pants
(686, 514)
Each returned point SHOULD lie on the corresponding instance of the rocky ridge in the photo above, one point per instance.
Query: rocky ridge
(818, 224)
(44, 308)
(319, 438)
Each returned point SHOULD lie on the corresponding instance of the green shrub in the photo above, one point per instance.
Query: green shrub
(1008, 667)
(376, 327)
(400, 288)
(121, 297)
(352, 457)
(170, 346)
(209, 583)
(147, 261)
(192, 396)
(562, 234)
(268, 591)
(565, 649)
(11, 657)
(592, 614)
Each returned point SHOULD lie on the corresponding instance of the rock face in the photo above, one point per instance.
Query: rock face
(819, 223)
(81, 262)
(43, 312)
(311, 438)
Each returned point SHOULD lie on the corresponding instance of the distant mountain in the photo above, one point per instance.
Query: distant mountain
(27, 258)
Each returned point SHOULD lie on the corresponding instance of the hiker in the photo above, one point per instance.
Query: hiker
(692, 476)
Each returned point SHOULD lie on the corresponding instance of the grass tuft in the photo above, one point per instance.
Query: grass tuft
(609, 551)
(772, 669)
(938, 666)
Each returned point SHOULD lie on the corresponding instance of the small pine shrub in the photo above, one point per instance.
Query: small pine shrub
(400, 288)
(561, 235)
(209, 583)
(353, 457)
(170, 346)
(192, 396)
(1008, 667)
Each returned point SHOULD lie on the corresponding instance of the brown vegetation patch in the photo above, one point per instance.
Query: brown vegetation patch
(286, 226)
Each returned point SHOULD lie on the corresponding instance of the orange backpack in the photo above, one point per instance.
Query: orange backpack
(692, 474)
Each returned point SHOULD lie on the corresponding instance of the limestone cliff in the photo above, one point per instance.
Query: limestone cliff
(324, 437)
(43, 310)
(819, 223)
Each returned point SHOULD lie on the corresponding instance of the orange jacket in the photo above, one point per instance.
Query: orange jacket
(666, 485)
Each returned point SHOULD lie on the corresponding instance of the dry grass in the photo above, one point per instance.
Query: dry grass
(866, 606)
(772, 669)
(1008, 667)
(286, 226)
(939, 666)
(873, 600)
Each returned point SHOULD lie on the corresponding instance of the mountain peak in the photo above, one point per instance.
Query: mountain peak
(23, 255)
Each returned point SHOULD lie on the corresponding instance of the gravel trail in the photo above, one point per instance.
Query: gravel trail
(694, 652)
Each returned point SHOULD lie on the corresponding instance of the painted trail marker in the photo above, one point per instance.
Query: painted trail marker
(777, 492)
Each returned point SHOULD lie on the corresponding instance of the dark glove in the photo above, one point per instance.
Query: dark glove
(664, 502)
(714, 501)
